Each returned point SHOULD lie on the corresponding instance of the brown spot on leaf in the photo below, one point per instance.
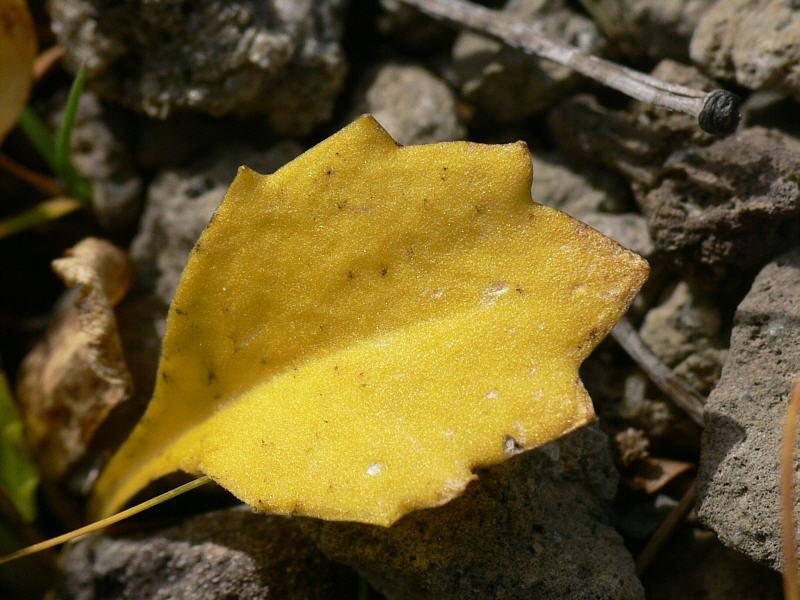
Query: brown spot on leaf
(511, 446)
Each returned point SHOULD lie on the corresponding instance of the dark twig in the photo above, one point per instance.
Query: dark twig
(665, 530)
(46, 62)
(41, 182)
(790, 579)
(716, 111)
(659, 373)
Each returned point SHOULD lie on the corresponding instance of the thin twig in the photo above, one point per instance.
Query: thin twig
(790, 579)
(46, 62)
(47, 211)
(716, 111)
(41, 182)
(103, 523)
(665, 530)
(659, 373)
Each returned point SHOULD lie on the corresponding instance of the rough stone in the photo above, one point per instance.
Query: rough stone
(633, 142)
(280, 58)
(184, 138)
(649, 28)
(179, 204)
(99, 152)
(578, 191)
(508, 85)
(685, 331)
(707, 569)
(674, 127)
(738, 476)
(754, 42)
(625, 397)
(226, 554)
(629, 229)
(506, 536)
(412, 104)
(411, 29)
(735, 202)
(771, 110)
(592, 196)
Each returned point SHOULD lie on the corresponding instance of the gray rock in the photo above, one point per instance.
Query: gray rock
(280, 58)
(633, 142)
(685, 332)
(99, 152)
(412, 104)
(738, 476)
(771, 110)
(674, 127)
(232, 553)
(180, 203)
(754, 42)
(707, 569)
(184, 138)
(508, 85)
(578, 191)
(536, 526)
(735, 202)
(652, 28)
(639, 517)
(592, 196)
(649, 28)
(638, 403)
(411, 29)
(629, 229)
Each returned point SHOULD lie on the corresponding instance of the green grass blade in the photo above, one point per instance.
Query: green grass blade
(18, 475)
(77, 185)
(62, 148)
(56, 152)
(39, 135)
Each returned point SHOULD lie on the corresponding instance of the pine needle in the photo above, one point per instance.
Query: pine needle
(103, 523)
(47, 211)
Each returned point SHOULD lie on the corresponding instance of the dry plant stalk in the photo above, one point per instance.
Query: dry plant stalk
(790, 579)
(665, 530)
(104, 523)
(46, 62)
(660, 374)
(716, 111)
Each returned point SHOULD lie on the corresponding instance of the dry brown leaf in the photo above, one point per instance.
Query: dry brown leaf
(72, 380)
(650, 473)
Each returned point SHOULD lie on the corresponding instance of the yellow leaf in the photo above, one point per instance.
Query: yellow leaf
(356, 333)
(17, 53)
